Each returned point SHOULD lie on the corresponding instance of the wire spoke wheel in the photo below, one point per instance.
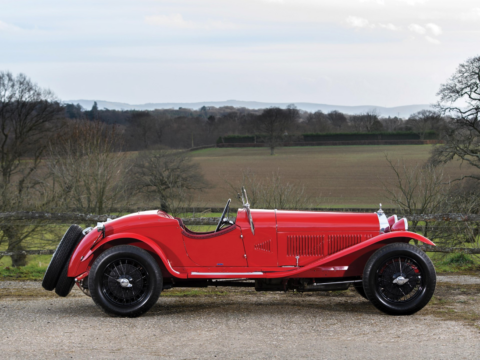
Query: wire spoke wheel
(125, 282)
(400, 280)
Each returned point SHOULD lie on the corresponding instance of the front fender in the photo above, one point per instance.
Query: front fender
(396, 236)
(80, 263)
(405, 235)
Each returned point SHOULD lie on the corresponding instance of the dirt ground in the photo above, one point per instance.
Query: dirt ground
(221, 323)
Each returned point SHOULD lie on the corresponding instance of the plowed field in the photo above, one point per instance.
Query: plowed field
(341, 176)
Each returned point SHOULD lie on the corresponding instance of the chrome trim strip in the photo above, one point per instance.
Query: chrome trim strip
(171, 267)
(224, 273)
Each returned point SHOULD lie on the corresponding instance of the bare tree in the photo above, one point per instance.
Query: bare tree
(273, 192)
(145, 129)
(87, 169)
(392, 123)
(318, 122)
(337, 118)
(460, 100)
(274, 123)
(419, 190)
(167, 178)
(28, 114)
(367, 122)
(424, 121)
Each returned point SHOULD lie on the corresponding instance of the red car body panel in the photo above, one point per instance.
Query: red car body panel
(286, 244)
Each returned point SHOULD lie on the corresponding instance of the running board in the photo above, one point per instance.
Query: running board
(224, 274)
(338, 282)
(329, 286)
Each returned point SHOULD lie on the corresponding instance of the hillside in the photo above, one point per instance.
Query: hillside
(401, 111)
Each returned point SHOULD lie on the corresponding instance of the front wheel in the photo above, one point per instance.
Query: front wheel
(399, 279)
(125, 281)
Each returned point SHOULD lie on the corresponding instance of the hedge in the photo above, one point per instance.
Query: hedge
(399, 135)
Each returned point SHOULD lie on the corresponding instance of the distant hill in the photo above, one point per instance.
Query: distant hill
(402, 111)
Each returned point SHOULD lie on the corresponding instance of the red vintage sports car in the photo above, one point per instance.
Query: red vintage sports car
(124, 264)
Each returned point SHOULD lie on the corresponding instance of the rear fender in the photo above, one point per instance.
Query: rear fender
(80, 266)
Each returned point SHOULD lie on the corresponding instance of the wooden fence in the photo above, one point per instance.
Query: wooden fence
(23, 217)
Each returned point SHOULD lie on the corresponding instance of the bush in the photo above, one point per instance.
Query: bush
(238, 139)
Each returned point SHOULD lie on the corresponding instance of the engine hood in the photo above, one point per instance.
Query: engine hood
(305, 221)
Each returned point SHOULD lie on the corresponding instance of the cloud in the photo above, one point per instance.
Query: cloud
(473, 14)
(358, 22)
(413, 2)
(361, 23)
(174, 21)
(408, 2)
(177, 21)
(417, 29)
(434, 29)
(389, 26)
(5, 27)
(432, 40)
(379, 2)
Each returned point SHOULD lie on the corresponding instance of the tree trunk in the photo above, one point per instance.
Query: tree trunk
(272, 150)
(14, 244)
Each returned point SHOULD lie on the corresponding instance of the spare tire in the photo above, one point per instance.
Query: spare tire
(64, 283)
(61, 256)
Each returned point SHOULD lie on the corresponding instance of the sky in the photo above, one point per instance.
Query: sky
(342, 52)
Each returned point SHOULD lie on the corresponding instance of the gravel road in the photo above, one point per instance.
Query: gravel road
(237, 324)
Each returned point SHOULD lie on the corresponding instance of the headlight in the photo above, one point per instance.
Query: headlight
(400, 225)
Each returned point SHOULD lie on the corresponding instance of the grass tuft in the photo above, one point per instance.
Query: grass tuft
(35, 269)
(458, 259)
(455, 263)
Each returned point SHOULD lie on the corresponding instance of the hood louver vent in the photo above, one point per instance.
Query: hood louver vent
(340, 242)
(263, 246)
(305, 245)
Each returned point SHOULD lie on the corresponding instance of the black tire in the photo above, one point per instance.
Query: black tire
(64, 283)
(129, 264)
(359, 288)
(399, 279)
(61, 256)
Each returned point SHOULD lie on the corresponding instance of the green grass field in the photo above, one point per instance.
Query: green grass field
(340, 176)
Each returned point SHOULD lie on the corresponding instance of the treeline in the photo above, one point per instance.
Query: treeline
(186, 128)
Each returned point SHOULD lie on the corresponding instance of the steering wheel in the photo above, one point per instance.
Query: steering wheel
(223, 219)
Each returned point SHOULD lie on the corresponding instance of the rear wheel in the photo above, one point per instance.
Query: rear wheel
(125, 281)
(399, 279)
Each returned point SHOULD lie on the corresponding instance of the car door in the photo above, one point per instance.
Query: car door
(223, 248)
(260, 246)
